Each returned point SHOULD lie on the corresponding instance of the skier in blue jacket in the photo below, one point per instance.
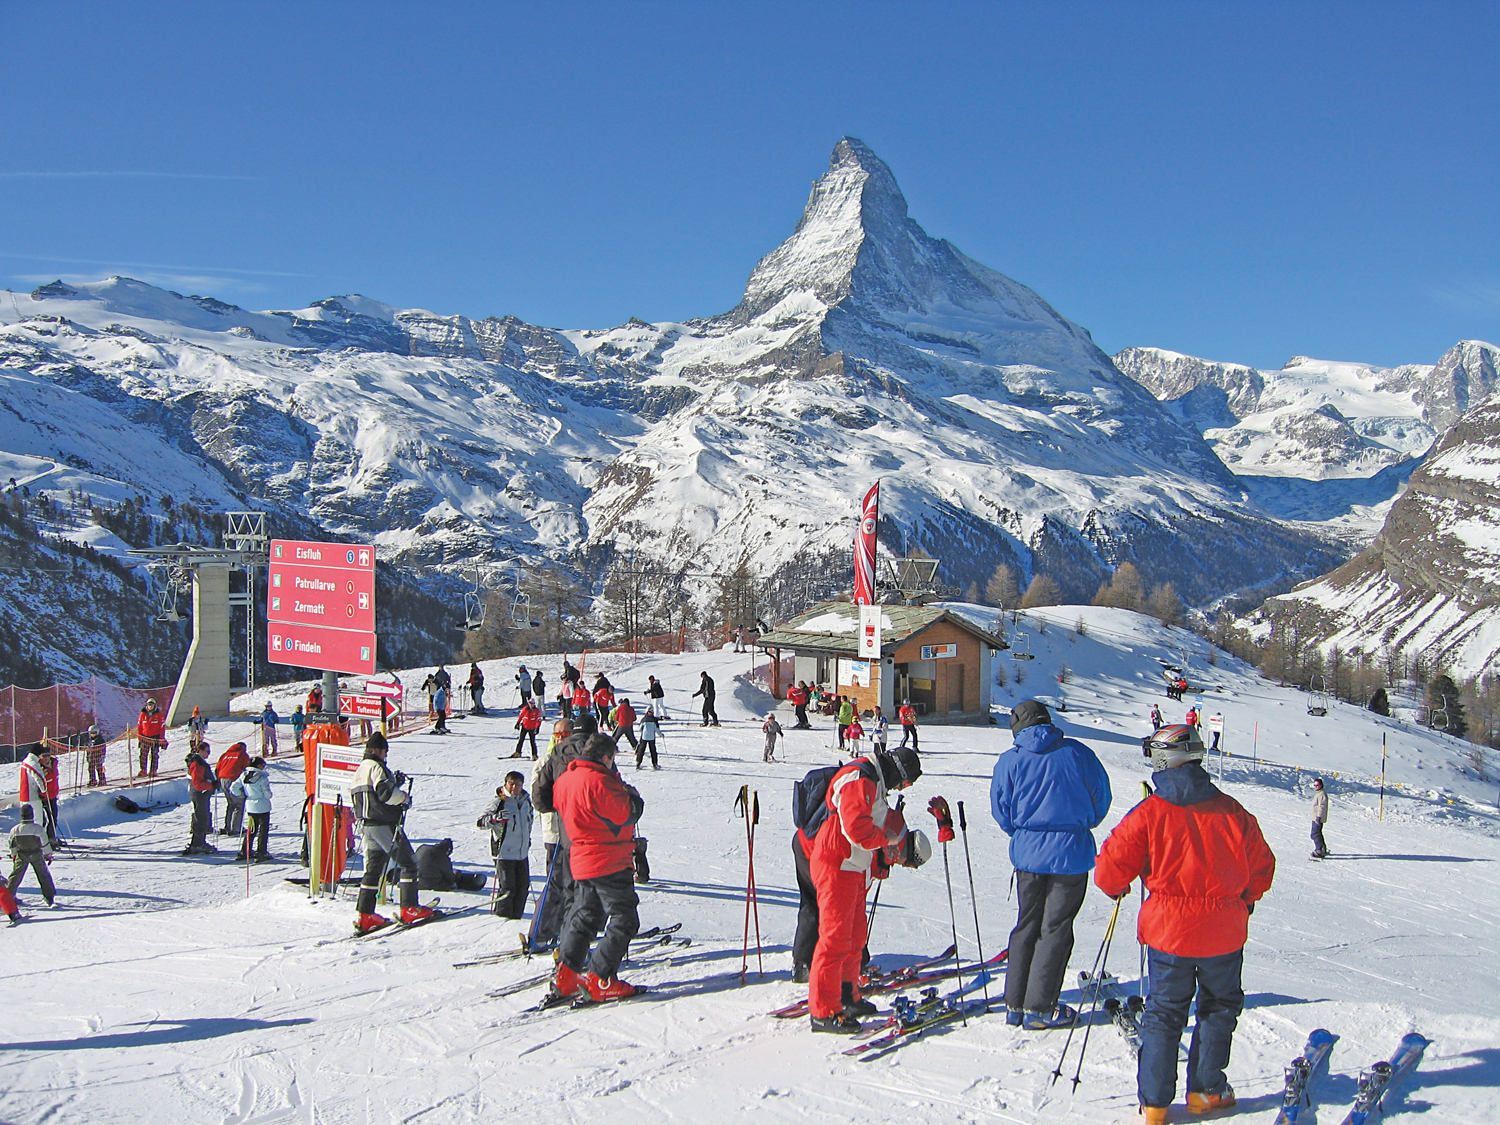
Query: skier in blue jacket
(1048, 793)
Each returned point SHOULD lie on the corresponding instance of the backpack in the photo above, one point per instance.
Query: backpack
(810, 796)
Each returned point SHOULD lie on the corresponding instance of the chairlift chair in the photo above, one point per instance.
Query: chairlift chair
(1317, 697)
(1020, 648)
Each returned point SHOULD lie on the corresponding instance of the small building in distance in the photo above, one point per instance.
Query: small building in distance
(940, 661)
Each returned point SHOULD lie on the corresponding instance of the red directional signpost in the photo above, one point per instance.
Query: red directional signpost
(320, 605)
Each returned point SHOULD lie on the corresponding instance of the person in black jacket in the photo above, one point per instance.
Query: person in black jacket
(380, 803)
(706, 690)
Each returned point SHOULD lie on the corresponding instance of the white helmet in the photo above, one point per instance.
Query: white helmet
(1174, 746)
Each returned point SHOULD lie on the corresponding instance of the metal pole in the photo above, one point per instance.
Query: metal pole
(1382, 776)
(1255, 745)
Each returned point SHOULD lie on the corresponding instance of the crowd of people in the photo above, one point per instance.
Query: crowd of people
(1198, 855)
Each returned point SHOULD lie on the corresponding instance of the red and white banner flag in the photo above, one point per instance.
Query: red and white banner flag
(864, 548)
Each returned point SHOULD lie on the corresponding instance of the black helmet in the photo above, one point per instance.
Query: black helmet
(1174, 746)
(900, 765)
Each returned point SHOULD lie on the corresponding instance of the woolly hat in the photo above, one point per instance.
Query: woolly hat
(1028, 713)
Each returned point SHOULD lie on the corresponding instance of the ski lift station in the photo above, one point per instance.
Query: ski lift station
(944, 664)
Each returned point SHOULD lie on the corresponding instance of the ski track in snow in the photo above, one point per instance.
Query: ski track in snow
(159, 991)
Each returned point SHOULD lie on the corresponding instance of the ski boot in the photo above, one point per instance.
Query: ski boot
(837, 1024)
(1154, 1114)
(598, 989)
(1014, 1017)
(800, 972)
(1198, 1102)
(369, 923)
(410, 915)
(566, 984)
(1061, 1016)
(853, 1007)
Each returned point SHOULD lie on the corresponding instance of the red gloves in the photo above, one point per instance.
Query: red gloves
(938, 807)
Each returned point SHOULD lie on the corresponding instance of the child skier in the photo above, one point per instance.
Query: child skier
(253, 789)
(650, 728)
(29, 848)
(773, 731)
(509, 818)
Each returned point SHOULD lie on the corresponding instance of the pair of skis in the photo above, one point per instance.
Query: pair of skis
(1374, 1083)
(914, 1018)
(662, 940)
(1121, 1005)
(527, 950)
(912, 976)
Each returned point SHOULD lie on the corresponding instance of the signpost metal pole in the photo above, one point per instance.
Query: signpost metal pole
(1382, 776)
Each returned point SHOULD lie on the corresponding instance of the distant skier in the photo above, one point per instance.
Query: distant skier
(565, 699)
(30, 849)
(268, 721)
(150, 733)
(1216, 728)
(1205, 864)
(880, 730)
(528, 722)
(35, 769)
(380, 803)
(476, 691)
(773, 731)
(197, 727)
(1319, 818)
(1156, 719)
(440, 710)
(855, 734)
(656, 696)
(622, 721)
(315, 700)
(539, 691)
(907, 714)
(845, 717)
(97, 748)
(706, 690)
(583, 703)
(650, 730)
(604, 701)
(441, 679)
(253, 790)
(298, 723)
(1048, 794)
(523, 684)
(798, 697)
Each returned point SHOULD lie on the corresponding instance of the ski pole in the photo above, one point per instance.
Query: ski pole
(247, 857)
(754, 890)
(963, 825)
(742, 809)
(1094, 979)
(952, 917)
(870, 918)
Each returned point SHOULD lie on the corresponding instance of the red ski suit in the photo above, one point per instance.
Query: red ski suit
(1205, 864)
(841, 861)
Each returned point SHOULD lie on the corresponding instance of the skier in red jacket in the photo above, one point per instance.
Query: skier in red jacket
(150, 732)
(1205, 864)
(858, 842)
(201, 786)
(528, 722)
(598, 812)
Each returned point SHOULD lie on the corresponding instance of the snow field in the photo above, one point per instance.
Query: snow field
(238, 1010)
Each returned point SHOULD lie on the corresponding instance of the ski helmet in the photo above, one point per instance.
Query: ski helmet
(918, 848)
(28, 814)
(1028, 713)
(901, 765)
(1174, 746)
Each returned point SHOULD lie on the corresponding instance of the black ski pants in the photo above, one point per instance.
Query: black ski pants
(557, 898)
(806, 939)
(521, 741)
(256, 836)
(1221, 998)
(512, 882)
(1042, 941)
(608, 901)
(234, 813)
(386, 845)
(909, 730)
(710, 715)
(627, 732)
(642, 748)
(203, 816)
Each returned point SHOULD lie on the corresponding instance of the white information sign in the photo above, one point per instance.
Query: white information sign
(869, 631)
(336, 769)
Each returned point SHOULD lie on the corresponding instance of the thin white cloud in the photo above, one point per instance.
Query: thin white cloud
(1479, 296)
(148, 265)
(122, 176)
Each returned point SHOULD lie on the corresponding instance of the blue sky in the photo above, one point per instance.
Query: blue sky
(1242, 182)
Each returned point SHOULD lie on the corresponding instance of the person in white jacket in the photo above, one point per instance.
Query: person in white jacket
(1319, 818)
(254, 788)
(509, 819)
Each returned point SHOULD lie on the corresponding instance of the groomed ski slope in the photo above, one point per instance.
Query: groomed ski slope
(160, 992)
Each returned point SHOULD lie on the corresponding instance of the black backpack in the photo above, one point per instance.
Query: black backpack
(810, 796)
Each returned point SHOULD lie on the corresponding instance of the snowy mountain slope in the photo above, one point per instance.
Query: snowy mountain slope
(863, 348)
(1430, 581)
(159, 982)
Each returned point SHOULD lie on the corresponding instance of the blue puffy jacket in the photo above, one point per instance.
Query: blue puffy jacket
(1048, 792)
